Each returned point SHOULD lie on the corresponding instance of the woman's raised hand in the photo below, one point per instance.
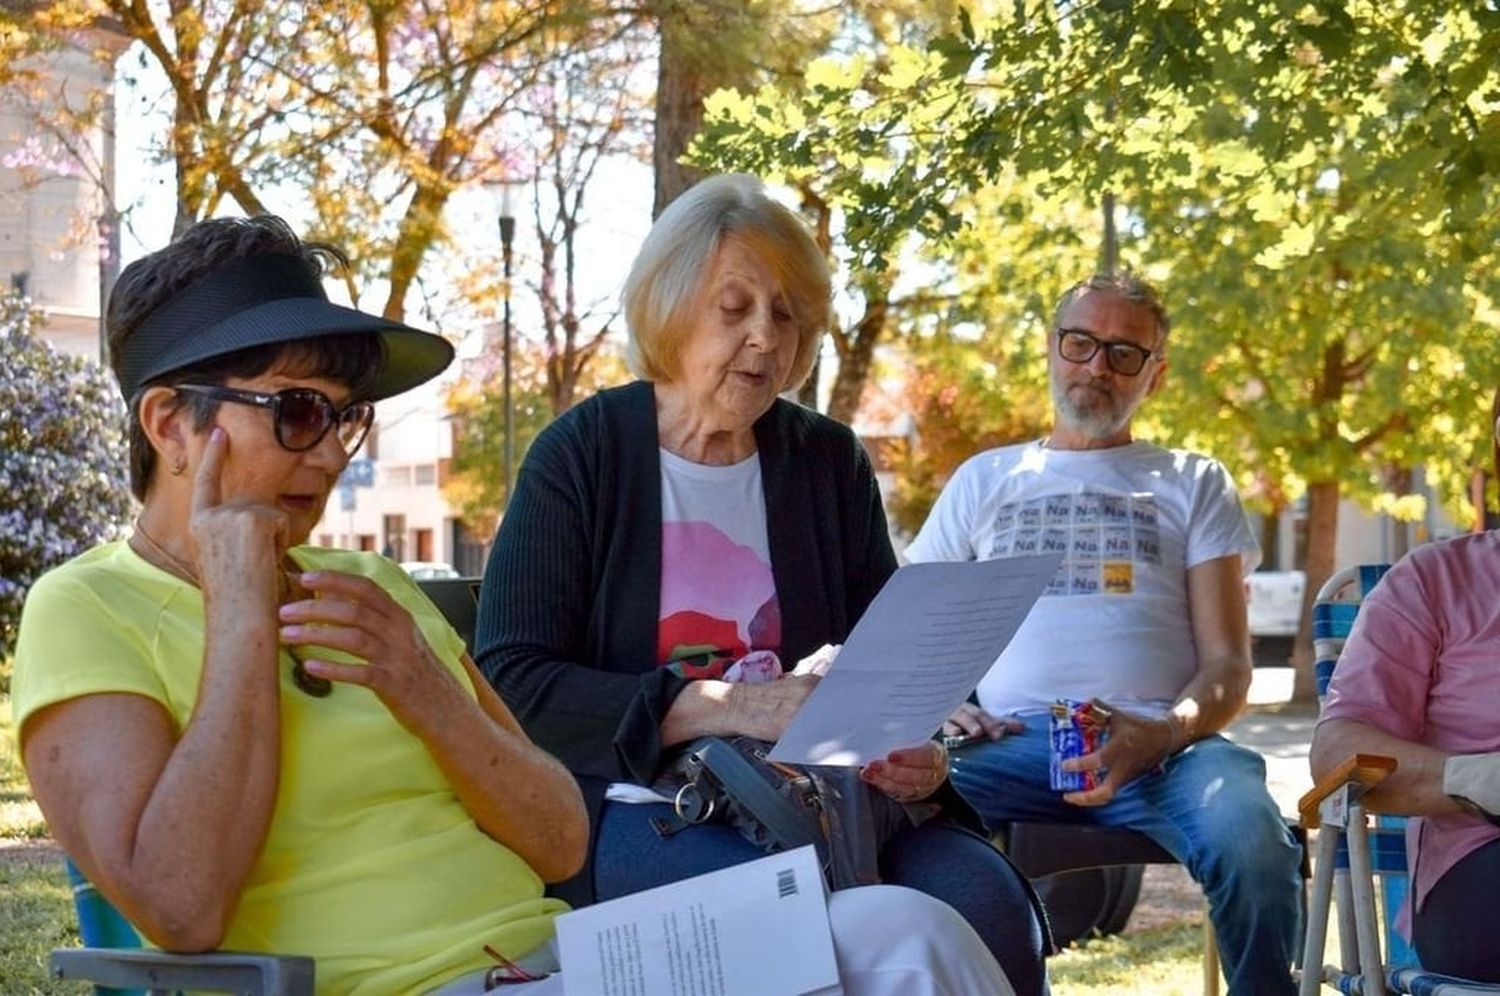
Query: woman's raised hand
(357, 616)
(239, 544)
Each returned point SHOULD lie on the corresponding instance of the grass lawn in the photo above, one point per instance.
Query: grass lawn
(36, 915)
(1164, 961)
(36, 906)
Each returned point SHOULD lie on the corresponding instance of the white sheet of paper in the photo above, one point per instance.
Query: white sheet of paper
(760, 927)
(918, 651)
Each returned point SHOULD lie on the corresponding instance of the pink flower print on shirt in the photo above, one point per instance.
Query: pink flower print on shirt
(718, 601)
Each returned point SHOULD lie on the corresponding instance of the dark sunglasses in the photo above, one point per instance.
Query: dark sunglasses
(302, 416)
(1124, 358)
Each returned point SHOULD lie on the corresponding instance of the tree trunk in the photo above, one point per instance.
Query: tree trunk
(1109, 258)
(856, 356)
(185, 159)
(849, 385)
(807, 392)
(1270, 540)
(680, 89)
(1322, 535)
(1479, 497)
(1400, 481)
(419, 226)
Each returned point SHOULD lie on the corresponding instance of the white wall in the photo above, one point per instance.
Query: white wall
(48, 220)
(413, 442)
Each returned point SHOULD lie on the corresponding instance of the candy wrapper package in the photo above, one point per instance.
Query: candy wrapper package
(1077, 728)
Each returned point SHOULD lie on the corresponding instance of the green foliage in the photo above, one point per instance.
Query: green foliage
(62, 459)
(475, 486)
(1170, 95)
(975, 355)
(962, 403)
(1313, 184)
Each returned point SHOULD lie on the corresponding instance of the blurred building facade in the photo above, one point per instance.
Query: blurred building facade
(57, 244)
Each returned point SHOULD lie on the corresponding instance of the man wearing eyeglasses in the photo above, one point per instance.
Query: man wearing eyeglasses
(1145, 619)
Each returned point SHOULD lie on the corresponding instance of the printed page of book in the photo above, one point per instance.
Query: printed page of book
(920, 649)
(760, 927)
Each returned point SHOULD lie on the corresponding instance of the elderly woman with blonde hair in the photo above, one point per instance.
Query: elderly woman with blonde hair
(674, 544)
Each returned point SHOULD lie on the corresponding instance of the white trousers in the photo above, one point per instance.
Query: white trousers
(889, 941)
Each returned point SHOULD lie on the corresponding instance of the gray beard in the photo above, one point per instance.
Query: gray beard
(1098, 422)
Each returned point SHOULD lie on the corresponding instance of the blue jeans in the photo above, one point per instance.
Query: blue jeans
(1209, 809)
(943, 861)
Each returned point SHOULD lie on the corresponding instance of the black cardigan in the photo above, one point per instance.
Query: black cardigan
(569, 606)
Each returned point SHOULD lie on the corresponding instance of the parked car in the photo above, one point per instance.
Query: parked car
(1274, 601)
(424, 570)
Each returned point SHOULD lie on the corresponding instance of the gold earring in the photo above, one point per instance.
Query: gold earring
(179, 465)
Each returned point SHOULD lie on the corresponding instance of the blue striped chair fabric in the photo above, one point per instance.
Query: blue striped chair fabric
(1416, 982)
(114, 961)
(1334, 612)
(100, 925)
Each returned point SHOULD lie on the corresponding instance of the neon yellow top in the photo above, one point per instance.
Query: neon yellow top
(372, 866)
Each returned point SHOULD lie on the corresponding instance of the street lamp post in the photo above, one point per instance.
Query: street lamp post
(507, 239)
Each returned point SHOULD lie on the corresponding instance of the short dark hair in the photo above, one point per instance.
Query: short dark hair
(1125, 284)
(153, 280)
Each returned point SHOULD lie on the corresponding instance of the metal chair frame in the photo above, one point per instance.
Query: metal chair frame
(1350, 851)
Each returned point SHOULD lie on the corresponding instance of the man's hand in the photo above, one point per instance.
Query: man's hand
(968, 720)
(1135, 745)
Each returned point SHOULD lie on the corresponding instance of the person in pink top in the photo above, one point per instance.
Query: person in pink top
(1418, 681)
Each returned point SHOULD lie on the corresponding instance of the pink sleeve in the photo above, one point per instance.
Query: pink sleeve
(1384, 673)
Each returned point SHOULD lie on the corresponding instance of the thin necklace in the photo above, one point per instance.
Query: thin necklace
(174, 565)
(309, 683)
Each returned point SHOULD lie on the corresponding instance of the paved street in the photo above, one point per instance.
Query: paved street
(1282, 733)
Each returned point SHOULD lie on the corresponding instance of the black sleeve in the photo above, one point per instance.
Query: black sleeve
(869, 558)
(535, 632)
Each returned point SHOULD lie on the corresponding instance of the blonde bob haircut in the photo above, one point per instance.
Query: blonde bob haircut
(666, 282)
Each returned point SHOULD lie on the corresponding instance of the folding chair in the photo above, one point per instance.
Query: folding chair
(114, 961)
(1351, 854)
(1043, 849)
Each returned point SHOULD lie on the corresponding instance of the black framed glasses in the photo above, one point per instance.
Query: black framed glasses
(301, 415)
(1124, 358)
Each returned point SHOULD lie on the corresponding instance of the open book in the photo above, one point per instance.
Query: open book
(756, 928)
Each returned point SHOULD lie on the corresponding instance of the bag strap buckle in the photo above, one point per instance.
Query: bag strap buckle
(691, 806)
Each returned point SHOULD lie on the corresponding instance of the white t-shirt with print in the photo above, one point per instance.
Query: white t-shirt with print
(1130, 522)
(718, 595)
